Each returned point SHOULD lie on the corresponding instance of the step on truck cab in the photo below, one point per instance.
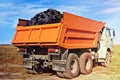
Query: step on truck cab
(70, 47)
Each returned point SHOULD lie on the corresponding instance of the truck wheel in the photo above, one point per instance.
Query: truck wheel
(30, 71)
(86, 63)
(38, 68)
(60, 74)
(72, 66)
(107, 60)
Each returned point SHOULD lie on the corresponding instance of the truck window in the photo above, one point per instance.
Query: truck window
(108, 34)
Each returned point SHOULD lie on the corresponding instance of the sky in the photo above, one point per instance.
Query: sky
(107, 11)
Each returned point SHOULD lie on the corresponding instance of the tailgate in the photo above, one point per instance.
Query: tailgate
(37, 34)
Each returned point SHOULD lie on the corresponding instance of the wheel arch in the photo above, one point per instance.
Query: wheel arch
(109, 50)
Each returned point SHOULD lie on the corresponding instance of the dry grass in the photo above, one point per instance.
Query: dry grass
(115, 64)
(114, 68)
(9, 54)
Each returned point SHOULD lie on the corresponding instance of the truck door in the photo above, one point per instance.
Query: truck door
(109, 38)
(105, 42)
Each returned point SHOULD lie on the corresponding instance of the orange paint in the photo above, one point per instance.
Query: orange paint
(72, 32)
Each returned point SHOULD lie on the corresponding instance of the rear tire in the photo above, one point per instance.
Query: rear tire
(86, 63)
(72, 66)
(38, 68)
(60, 74)
(30, 71)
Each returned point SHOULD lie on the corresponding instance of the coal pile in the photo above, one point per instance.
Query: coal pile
(47, 17)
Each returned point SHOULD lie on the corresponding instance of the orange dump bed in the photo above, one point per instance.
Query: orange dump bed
(72, 32)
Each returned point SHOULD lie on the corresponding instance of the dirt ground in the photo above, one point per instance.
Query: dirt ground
(11, 69)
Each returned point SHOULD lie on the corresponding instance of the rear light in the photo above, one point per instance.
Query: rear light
(53, 50)
(21, 50)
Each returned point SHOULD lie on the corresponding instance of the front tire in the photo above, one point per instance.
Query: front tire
(107, 60)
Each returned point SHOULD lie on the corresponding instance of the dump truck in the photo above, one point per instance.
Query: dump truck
(70, 47)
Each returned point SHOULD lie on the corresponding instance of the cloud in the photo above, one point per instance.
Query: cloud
(72, 9)
(10, 14)
(5, 5)
(112, 2)
(111, 10)
(112, 6)
(6, 14)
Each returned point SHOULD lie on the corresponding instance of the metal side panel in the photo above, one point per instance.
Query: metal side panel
(80, 32)
(37, 34)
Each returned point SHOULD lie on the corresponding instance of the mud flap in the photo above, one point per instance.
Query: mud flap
(27, 63)
(59, 65)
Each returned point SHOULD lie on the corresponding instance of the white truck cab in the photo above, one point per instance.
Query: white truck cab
(105, 45)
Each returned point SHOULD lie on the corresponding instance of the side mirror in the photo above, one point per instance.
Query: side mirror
(113, 33)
